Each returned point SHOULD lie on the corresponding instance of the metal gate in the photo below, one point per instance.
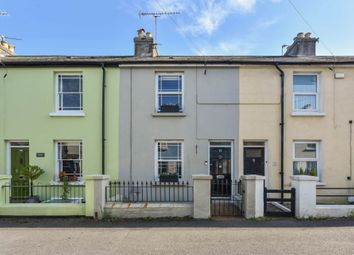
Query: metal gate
(279, 202)
(226, 198)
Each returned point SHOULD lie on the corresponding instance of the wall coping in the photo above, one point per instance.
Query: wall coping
(201, 177)
(96, 177)
(5, 177)
(253, 177)
(304, 178)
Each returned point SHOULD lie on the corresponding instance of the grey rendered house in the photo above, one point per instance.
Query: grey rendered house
(178, 118)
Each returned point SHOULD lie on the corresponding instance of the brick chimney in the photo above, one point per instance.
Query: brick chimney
(144, 45)
(303, 45)
(6, 49)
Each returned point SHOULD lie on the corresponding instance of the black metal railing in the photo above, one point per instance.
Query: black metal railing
(225, 187)
(153, 191)
(325, 195)
(38, 193)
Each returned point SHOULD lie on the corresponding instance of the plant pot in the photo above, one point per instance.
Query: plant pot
(34, 199)
(169, 108)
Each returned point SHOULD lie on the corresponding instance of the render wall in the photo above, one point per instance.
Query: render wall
(260, 118)
(27, 96)
(211, 113)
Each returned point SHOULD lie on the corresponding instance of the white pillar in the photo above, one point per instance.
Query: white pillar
(201, 196)
(5, 191)
(253, 200)
(305, 195)
(95, 186)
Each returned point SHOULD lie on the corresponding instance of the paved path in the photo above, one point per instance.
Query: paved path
(186, 237)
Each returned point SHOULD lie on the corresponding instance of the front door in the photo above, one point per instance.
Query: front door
(220, 160)
(19, 159)
(253, 160)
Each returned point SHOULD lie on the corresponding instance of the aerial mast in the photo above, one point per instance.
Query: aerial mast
(157, 15)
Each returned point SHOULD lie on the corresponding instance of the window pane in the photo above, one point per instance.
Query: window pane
(169, 167)
(71, 102)
(69, 151)
(305, 83)
(70, 158)
(71, 167)
(71, 84)
(170, 99)
(305, 166)
(170, 83)
(305, 102)
(305, 150)
(169, 151)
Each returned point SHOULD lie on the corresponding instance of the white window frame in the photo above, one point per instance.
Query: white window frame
(156, 156)
(317, 159)
(317, 94)
(57, 168)
(57, 93)
(157, 93)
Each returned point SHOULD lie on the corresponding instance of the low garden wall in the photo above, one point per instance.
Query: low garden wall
(151, 210)
(42, 209)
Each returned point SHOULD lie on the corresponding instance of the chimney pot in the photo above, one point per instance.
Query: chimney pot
(141, 32)
(308, 35)
(300, 35)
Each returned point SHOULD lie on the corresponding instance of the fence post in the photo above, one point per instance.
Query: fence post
(201, 196)
(95, 186)
(253, 200)
(305, 195)
(4, 192)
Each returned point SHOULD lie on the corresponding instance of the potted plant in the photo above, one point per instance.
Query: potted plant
(313, 172)
(32, 173)
(169, 177)
(66, 188)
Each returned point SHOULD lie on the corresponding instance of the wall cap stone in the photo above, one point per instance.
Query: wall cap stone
(5, 177)
(304, 178)
(96, 177)
(252, 177)
(201, 177)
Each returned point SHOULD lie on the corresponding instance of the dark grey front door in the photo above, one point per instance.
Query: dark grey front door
(253, 160)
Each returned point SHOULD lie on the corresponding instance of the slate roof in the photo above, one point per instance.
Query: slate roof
(126, 60)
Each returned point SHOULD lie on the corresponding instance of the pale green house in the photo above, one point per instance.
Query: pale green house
(61, 114)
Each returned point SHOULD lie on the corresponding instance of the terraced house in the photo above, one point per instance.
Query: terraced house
(150, 117)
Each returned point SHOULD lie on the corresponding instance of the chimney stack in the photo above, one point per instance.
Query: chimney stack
(144, 45)
(6, 49)
(303, 45)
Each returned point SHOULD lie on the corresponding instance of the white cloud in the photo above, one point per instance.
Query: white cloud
(243, 5)
(203, 16)
(168, 5)
(267, 23)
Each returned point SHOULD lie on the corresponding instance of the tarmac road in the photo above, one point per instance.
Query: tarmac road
(176, 237)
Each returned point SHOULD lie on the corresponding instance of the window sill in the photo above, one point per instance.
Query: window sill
(308, 114)
(169, 114)
(321, 184)
(70, 183)
(67, 114)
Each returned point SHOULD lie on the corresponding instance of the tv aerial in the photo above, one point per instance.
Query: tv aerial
(157, 15)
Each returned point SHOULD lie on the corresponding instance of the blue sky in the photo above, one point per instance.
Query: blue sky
(204, 27)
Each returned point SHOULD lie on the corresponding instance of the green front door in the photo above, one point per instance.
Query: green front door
(19, 153)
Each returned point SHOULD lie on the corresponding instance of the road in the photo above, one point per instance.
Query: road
(189, 238)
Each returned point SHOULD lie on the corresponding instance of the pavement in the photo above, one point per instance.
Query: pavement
(176, 236)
